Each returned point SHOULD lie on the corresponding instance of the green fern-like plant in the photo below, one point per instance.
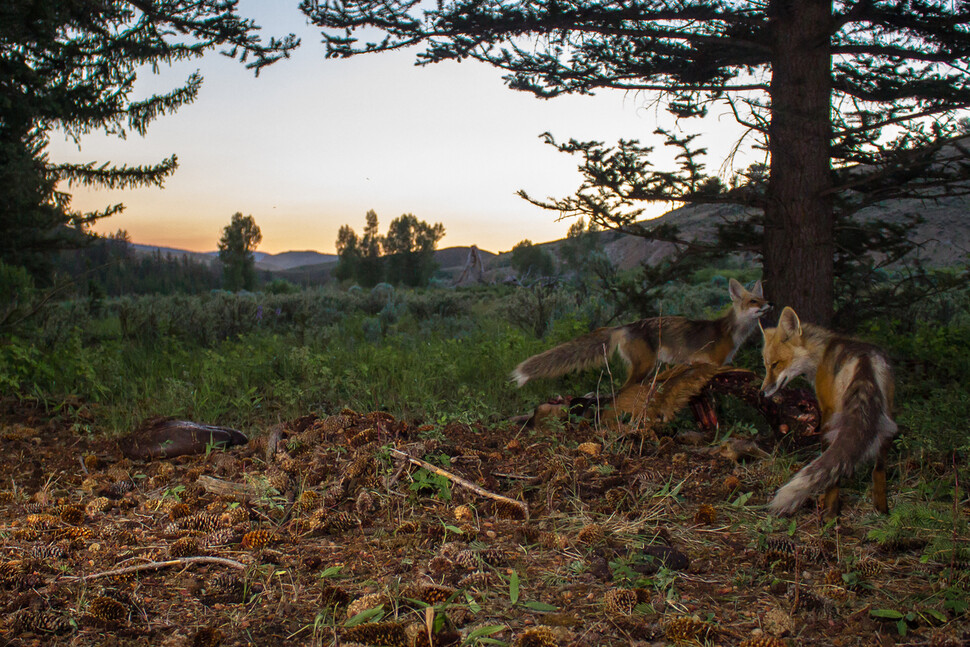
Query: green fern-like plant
(943, 537)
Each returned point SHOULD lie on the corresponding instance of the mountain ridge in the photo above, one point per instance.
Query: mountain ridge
(943, 237)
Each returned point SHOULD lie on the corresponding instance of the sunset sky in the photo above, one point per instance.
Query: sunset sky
(312, 144)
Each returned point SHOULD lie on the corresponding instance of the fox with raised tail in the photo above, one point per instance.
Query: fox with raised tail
(643, 344)
(854, 387)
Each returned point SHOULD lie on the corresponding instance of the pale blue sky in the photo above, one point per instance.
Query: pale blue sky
(312, 144)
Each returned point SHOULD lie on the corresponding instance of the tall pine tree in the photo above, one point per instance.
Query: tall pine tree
(854, 101)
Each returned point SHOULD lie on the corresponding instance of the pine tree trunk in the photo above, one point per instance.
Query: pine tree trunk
(799, 239)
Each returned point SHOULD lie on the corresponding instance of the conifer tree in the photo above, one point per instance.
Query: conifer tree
(371, 268)
(409, 247)
(239, 239)
(72, 65)
(405, 255)
(348, 253)
(854, 101)
(532, 260)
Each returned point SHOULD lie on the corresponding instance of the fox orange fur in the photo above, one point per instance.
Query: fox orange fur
(644, 344)
(854, 386)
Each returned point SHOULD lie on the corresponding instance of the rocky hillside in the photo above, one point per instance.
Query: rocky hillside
(944, 235)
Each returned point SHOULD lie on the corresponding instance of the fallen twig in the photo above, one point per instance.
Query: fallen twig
(520, 477)
(462, 482)
(154, 566)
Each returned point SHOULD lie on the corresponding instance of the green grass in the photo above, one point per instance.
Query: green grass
(429, 368)
(251, 360)
(260, 378)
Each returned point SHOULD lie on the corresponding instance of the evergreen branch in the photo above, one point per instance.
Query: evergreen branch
(761, 128)
(914, 164)
(896, 52)
(81, 220)
(892, 121)
(674, 88)
(115, 177)
(222, 28)
(583, 206)
(141, 113)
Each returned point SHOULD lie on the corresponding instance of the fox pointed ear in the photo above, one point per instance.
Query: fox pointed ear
(789, 323)
(762, 329)
(757, 290)
(735, 289)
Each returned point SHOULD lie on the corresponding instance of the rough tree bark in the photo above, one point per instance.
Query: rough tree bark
(799, 242)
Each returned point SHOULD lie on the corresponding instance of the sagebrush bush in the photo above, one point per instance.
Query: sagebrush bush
(534, 307)
(439, 303)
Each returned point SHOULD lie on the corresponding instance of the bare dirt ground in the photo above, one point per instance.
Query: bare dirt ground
(332, 539)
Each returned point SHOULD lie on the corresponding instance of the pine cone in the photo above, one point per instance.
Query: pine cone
(685, 628)
(185, 547)
(258, 538)
(763, 641)
(540, 636)
(107, 611)
(620, 601)
(386, 634)
(591, 534)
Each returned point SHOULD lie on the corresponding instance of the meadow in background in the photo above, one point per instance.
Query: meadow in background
(253, 359)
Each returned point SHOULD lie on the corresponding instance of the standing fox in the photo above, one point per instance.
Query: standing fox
(642, 344)
(854, 386)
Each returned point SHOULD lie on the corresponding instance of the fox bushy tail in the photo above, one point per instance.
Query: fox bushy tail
(855, 435)
(591, 349)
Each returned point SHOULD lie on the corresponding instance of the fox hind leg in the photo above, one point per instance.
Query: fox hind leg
(879, 494)
(831, 505)
(641, 359)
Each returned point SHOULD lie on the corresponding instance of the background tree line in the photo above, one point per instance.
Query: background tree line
(405, 255)
(109, 266)
(852, 102)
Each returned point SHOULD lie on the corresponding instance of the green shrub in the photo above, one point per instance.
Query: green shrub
(932, 368)
(23, 369)
(281, 286)
(16, 294)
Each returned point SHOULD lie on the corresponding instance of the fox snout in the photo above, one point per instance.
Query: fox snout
(770, 386)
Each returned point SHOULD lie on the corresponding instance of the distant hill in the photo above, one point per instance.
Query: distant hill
(451, 260)
(944, 237)
(290, 260)
(205, 257)
(264, 261)
(454, 258)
